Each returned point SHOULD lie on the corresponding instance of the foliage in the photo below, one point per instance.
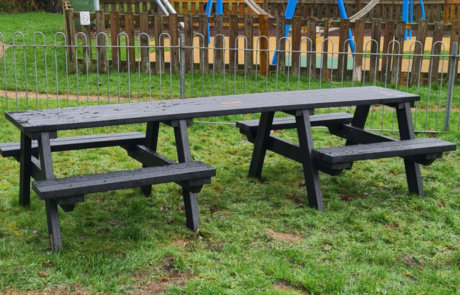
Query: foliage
(30, 5)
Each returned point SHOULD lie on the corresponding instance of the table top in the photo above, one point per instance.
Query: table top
(108, 115)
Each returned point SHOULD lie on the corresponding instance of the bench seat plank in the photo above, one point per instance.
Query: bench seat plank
(86, 184)
(13, 149)
(289, 122)
(404, 148)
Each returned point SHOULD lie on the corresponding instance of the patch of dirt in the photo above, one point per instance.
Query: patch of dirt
(179, 243)
(160, 284)
(285, 237)
(67, 290)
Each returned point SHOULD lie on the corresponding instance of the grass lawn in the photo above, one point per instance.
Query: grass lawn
(255, 237)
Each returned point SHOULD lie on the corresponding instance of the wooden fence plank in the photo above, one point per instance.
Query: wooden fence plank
(296, 40)
(359, 49)
(188, 32)
(388, 36)
(418, 49)
(204, 56)
(129, 30)
(159, 43)
(343, 48)
(101, 42)
(70, 39)
(325, 48)
(249, 33)
(144, 42)
(114, 31)
(398, 49)
(311, 46)
(454, 37)
(436, 50)
(281, 43)
(219, 62)
(233, 45)
(174, 42)
(87, 54)
(375, 49)
(263, 45)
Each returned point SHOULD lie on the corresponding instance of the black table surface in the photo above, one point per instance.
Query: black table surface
(107, 115)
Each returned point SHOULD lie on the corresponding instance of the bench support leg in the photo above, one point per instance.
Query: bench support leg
(151, 141)
(25, 170)
(54, 229)
(52, 215)
(260, 144)
(406, 131)
(310, 170)
(183, 153)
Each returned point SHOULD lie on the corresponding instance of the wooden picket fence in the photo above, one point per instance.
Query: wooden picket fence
(380, 65)
(436, 10)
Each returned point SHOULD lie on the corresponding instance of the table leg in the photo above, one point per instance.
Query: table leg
(310, 170)
(46, 167)
(260, 144)
(184, 155)
(151, 141)
(406, 131)
(25, 170)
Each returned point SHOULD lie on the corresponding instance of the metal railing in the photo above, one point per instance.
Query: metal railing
(38, 75)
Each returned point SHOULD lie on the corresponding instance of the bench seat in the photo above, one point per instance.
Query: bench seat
(250, 127)
(423, 151)
(13, 149)
(197, 173)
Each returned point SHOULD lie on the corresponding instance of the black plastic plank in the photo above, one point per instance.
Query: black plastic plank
(108, 115)
(402, 148)
(13, 149)
(87, 184)
(289, 122)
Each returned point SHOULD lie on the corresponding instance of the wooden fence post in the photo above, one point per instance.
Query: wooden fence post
(233, 44)
(397, 60)
(296, 40)
(204, 55)
(188, 32)
(218, 46)
(418, 49)
(114, 31)
(87, 54)
(174, 42)
(144, 42)
(375, 49)
(325, 47)
(311, 57)
(388, 36)
(343, 48)
(454, 37)
(159, 43)
(70, 40)
(101, 42)
(249, 33)
(281, 43)
(129, 30)
(359, 50)
(263, 49)
(436, 50)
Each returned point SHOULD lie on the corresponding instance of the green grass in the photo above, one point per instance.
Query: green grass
(373, 237)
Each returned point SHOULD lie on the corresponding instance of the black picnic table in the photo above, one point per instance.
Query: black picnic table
(42, 125)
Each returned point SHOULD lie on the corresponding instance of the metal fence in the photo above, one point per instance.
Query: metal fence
(35, 74)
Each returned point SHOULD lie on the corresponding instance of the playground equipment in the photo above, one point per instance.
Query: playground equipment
(405, 15)
(219, 11)
(166, 8)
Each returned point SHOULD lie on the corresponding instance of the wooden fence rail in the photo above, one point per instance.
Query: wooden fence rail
(164, 31)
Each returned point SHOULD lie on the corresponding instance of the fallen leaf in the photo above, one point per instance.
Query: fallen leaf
(164, 279)
(212, 209)
(420, 267)
(163, 207)
(440, 204)
(181, 207)
(290, 197)
(345, 198)
(300, 183)
(42, 274)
